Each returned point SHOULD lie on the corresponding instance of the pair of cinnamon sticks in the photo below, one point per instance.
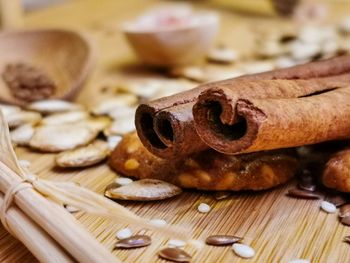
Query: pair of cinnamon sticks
(301, 105)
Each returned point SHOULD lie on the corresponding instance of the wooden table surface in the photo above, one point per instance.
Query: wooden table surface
(277, 227)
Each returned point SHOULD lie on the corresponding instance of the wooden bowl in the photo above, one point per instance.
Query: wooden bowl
(65, 56)
(175, 46)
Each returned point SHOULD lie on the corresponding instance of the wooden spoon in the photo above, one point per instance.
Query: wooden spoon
(65, 56)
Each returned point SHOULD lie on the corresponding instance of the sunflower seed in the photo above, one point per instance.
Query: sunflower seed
(144, 190)
(84, 156)
(204, 208)
(123, 233)
(71, 209)
(337, 200)
(174, 254)
(22, 134)
(222, 55)
(243, 251)
(123, 181)
(176, 243)
(23, 117)
(134, 242)
(65, 117)
(221, 195)
(344, 211)
(328, 207)
(222, 240)
(298, 193)
(106, 106)
(53, 106)
(56, 138)
(345, 220)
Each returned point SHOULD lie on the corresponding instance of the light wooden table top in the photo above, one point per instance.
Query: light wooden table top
(278, 227)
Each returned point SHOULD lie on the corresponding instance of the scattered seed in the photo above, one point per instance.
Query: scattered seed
(123, 181)
(243, 251)
(298, 193)
(113, 141)
(83, 156)
(176, 243)
(345, 220)
(56, 138)
(53, 106)
(204, 208)
(328, 207)
(221, 195)
(143, 190)
(257, 67)
(134, 242)
(24, 163)
(121, 100)
(190, 72)
(23, 117)
(344, 211)
(65, 117)
(174, 254)
(284, 62)
(124, 233)
(222, 55)
(158, 222)
(71, 209)
(222, 240)
(9, 109)
(337, 199)
(307, 186)
(121, 112)
(22, 134)
(120, 126)
(98, 123)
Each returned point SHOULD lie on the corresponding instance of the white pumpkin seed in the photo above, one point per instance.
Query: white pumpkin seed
(122, 111)
(123, 181)
(257, 67)
(146, 89)
(23, 117)
(158, 222)
(302, 51)
(204, 208)
(65, 117)
(243, 251)
(124, 233)
(98, 123)
(106, 106)
(120, 126)
(190, 72)
(328, 207)
(223, 55)
(176, 243)
(113, 141)
(22, 134)
(9, 109)
(84, 156)
(56, 138)
(144, 190)
(284, 62)
(53, 106)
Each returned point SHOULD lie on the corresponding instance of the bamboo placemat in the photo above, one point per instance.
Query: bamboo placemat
(279, 228)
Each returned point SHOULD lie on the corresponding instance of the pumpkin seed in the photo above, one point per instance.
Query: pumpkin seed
(53, 106)
(22, 117)
(83, 156)
(9, 109)
(65, 117)
(243, 251)
(143, 190)
(222, 55)
(120, 126)
(106, 106)
(22, 134)
(57, 138)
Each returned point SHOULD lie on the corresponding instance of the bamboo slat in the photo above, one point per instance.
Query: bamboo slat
(279, 228)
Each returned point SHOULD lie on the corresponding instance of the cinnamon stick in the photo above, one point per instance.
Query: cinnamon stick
(265, 124)
(166, 127)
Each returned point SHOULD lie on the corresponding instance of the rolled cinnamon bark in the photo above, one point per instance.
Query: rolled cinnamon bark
(265, 124)
(165, 126)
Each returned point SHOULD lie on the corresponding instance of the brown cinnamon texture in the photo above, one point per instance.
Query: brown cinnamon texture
(265, 124)
(166, 125)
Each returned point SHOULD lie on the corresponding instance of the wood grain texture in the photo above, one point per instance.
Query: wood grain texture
(278, 227)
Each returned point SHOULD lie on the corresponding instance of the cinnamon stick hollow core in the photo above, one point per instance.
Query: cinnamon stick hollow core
(166, 127)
